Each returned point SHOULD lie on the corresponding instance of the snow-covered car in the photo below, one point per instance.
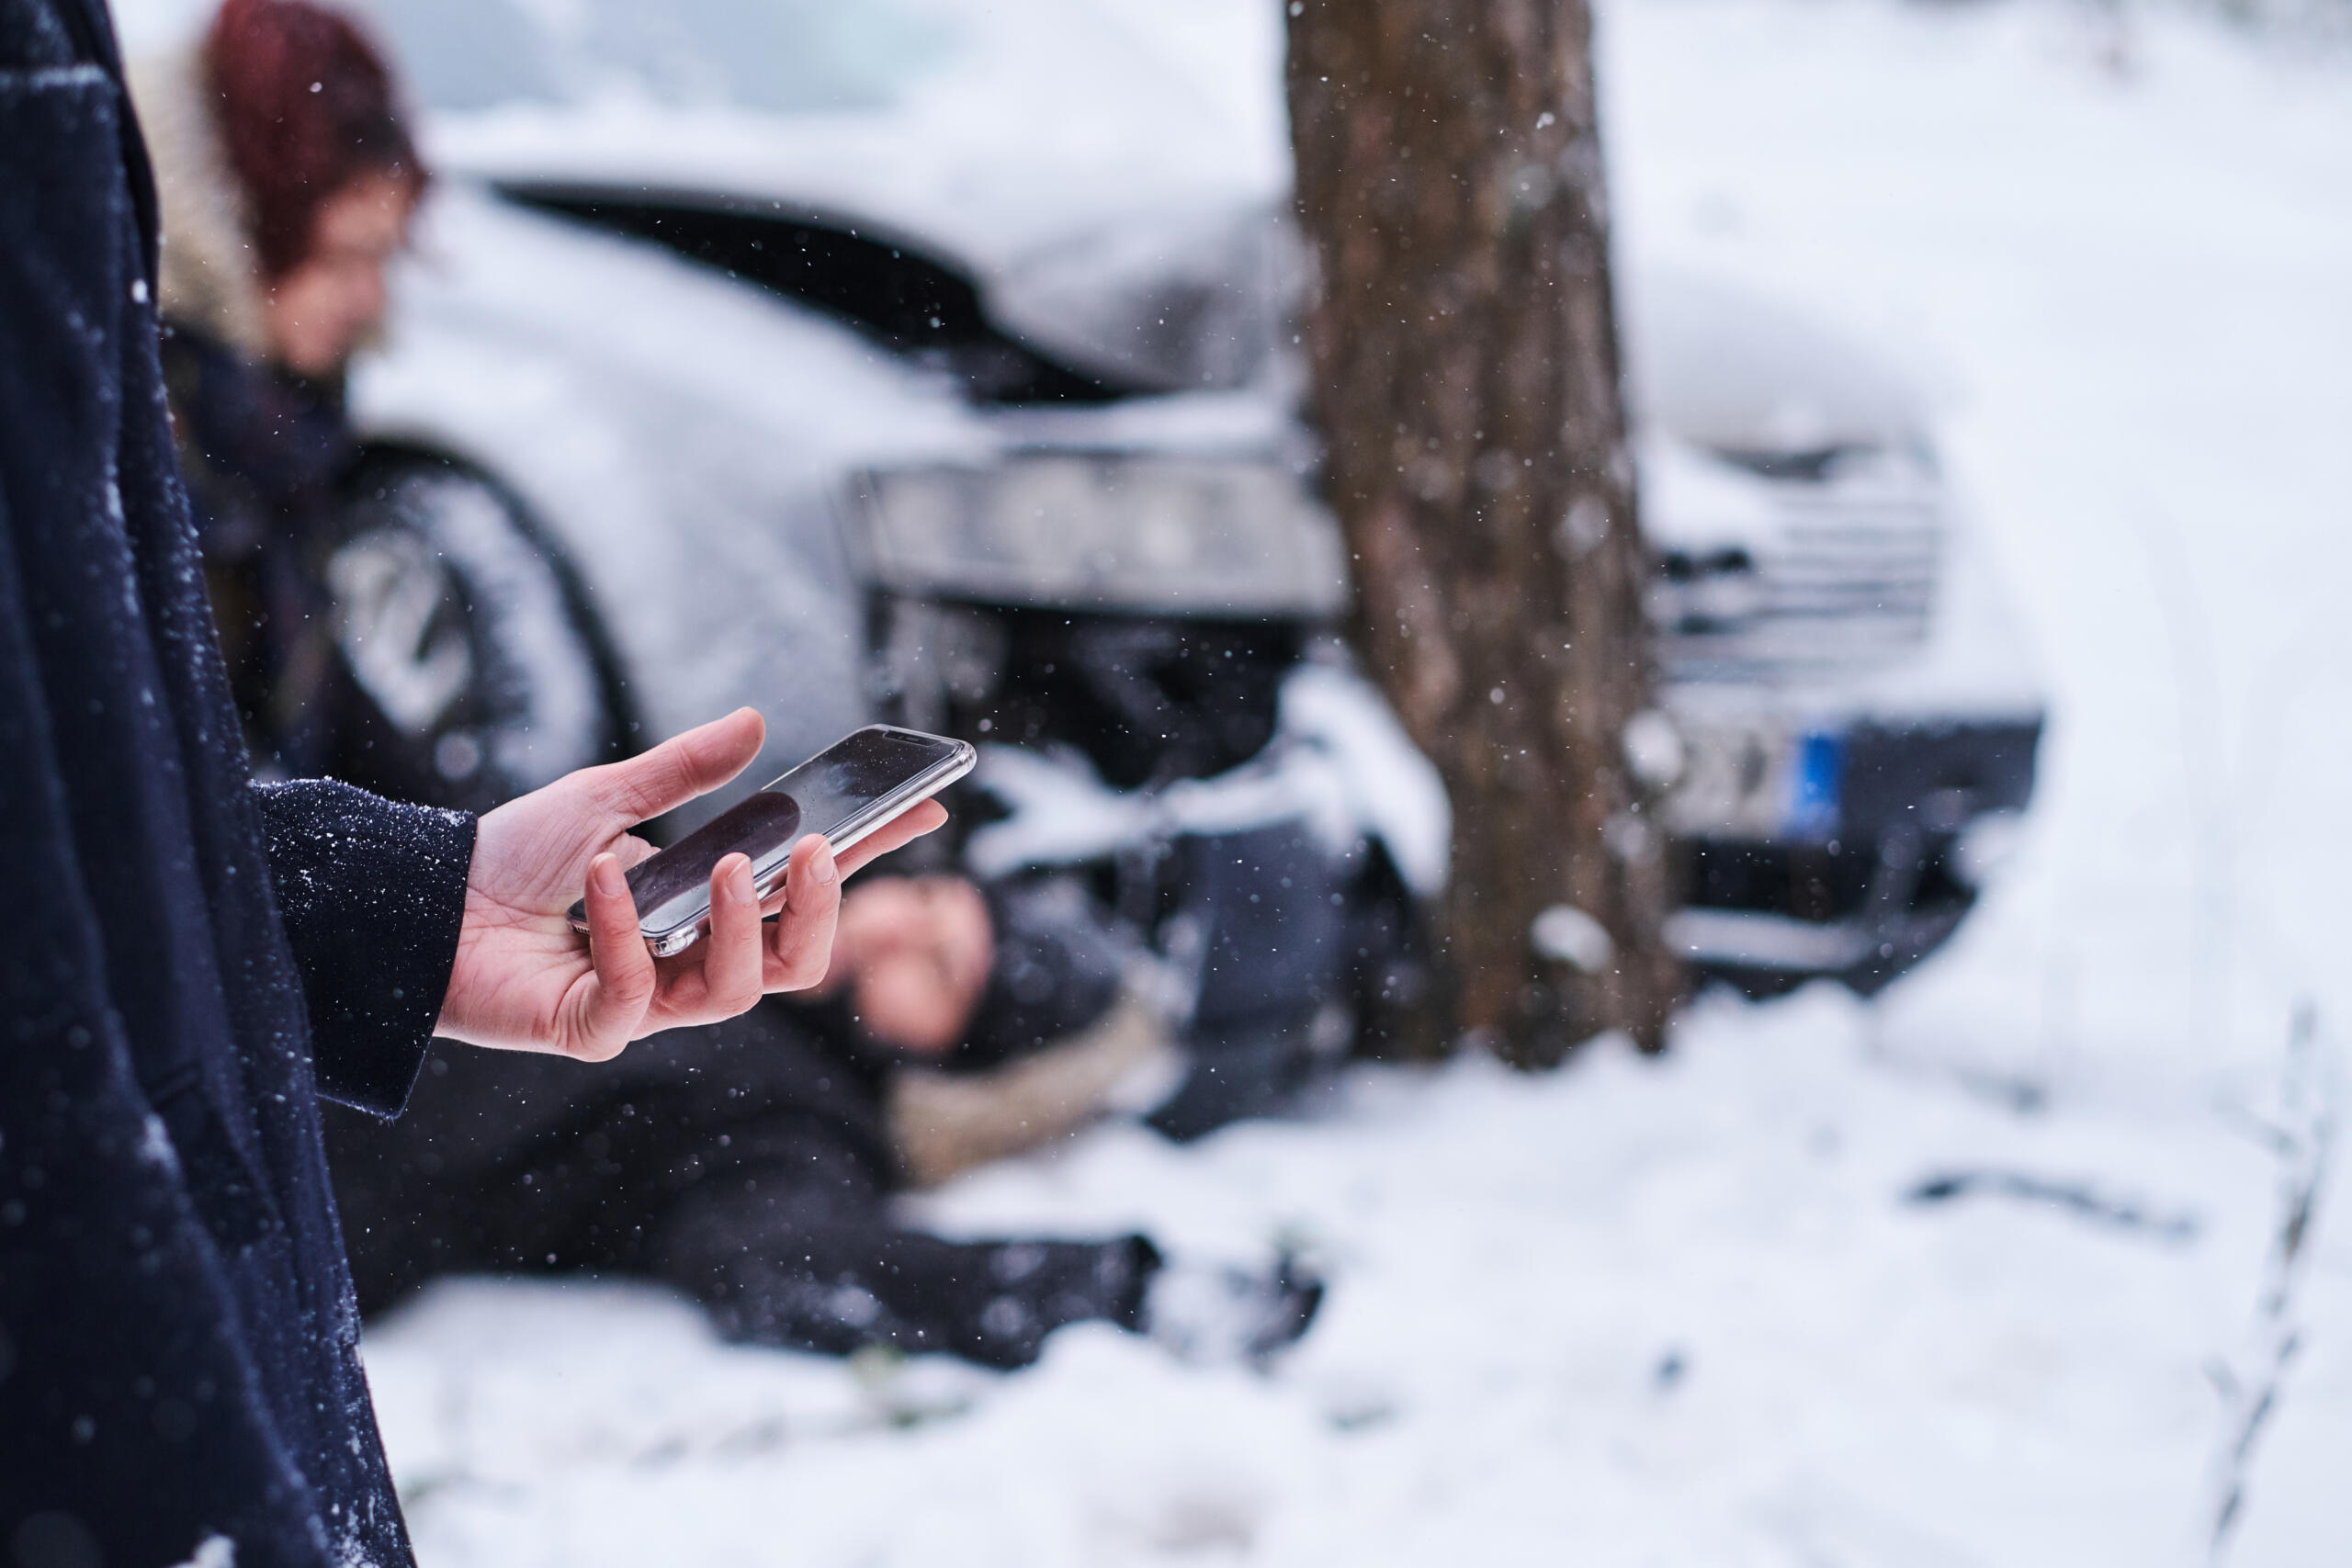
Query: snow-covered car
(930, 358)
(1858, 709)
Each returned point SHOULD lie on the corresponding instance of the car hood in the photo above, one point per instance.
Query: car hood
(1187, 286)
(1725, 370)
(1112, 209)
(1112, 181)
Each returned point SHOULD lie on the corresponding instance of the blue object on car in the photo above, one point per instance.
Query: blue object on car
(1816, 774)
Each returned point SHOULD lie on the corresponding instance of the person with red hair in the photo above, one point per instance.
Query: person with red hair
(288, 179)
(308, 126)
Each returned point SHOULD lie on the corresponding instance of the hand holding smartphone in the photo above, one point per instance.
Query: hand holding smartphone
(850, 790)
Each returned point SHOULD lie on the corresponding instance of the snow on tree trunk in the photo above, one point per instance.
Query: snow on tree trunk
(1465, 380)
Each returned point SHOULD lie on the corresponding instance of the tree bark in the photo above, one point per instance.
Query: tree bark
(1465, 382)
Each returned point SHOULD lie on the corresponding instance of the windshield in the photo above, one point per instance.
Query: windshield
(767, 55)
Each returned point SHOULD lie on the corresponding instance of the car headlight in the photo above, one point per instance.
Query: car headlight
(1080, 531)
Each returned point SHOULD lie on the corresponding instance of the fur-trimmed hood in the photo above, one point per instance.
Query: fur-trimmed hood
(210, 277)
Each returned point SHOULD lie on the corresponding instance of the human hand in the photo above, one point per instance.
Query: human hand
(523, 980)
(914, 954)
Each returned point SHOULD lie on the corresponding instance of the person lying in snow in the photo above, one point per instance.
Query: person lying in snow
(752, 1164)
(714, 1158)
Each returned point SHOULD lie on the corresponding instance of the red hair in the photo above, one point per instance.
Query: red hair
(305, 107)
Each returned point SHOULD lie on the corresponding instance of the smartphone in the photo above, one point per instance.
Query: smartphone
(851, 789)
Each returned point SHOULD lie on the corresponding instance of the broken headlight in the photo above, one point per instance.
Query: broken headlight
(1181, 535)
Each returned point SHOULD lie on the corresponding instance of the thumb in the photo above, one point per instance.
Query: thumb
(677, 771)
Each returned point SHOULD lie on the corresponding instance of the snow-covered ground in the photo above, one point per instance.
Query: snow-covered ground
(1680, 1312)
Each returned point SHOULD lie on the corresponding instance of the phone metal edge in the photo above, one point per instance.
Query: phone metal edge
(915, 791)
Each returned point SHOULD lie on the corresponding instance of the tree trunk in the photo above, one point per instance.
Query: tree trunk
(1465, 380)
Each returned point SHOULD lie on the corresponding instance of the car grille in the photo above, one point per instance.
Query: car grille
(1840, 580)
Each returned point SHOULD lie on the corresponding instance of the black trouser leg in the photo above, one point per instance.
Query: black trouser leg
(801, 1252)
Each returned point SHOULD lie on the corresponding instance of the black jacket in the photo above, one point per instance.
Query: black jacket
(176, 1334)
(264, 454)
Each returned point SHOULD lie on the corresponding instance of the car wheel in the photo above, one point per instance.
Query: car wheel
(483, 672)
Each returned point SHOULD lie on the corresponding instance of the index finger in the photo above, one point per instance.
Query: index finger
(922, 818)
(622, 976)
(901, 830)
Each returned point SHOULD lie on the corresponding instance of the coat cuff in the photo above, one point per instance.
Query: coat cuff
(372, 893)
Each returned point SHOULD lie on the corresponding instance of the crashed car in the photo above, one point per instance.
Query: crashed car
(930, 361)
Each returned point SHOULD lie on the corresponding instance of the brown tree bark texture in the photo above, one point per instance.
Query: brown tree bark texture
(1465, 378)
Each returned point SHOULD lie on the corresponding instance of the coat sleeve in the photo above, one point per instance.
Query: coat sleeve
(371, 893)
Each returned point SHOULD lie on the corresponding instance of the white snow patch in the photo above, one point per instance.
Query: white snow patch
(156, 1146)
(1635, 1311)
(1568, 935)
(213, 1551)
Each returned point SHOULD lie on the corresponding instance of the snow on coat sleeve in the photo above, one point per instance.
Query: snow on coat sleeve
(371, 893)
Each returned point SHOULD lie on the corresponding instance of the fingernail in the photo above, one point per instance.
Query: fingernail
(739, 878)
(607, 872)
(821, 865)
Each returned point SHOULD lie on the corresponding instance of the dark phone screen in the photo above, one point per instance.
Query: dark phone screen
(841, 782)
(762, 826)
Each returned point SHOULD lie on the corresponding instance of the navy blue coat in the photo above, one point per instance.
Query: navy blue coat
(186, 963)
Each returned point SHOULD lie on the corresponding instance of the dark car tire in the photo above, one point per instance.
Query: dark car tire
(483, 672)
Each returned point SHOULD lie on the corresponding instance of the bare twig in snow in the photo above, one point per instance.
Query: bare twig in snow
(2301, 1141)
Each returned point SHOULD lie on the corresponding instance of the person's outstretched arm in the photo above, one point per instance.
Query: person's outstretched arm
(407, 922)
